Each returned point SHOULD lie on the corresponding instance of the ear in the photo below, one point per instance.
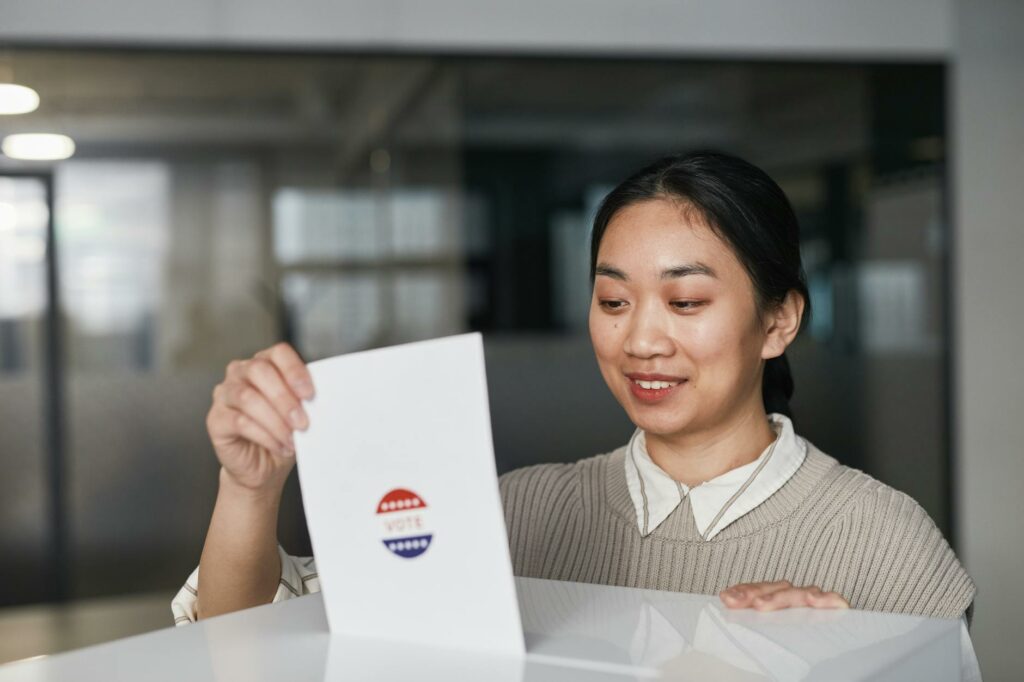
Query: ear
(782, 324)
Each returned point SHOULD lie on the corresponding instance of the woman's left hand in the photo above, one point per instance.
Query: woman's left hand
(780, 595)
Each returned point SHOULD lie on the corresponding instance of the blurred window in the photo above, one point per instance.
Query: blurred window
(23, 218)
(220, 202)
(25, 495)
(366, 268)
(113, 229)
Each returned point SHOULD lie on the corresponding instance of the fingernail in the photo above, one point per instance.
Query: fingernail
(304, 388)
(297, 418)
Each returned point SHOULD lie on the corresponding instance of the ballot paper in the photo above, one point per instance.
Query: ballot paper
(401, 497)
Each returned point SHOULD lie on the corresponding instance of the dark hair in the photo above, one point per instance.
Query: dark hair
(749, 212)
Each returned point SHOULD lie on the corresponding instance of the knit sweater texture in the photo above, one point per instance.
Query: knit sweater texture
(829, 526)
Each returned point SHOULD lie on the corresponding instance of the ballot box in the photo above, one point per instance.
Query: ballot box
(573, 632)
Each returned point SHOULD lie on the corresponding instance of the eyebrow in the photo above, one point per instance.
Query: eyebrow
(674, 272)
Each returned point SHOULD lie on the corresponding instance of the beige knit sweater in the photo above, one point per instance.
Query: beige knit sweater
(829, 526)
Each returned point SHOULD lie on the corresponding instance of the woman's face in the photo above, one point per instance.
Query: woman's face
(674, 323)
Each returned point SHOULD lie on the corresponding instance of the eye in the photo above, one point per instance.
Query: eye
(612, 304)
(686, 305)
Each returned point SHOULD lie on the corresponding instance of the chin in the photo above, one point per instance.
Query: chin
(661, 428)
(660, 424)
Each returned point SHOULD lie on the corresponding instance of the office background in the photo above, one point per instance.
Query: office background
(348, 177)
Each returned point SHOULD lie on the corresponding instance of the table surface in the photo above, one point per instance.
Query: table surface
(573, 632)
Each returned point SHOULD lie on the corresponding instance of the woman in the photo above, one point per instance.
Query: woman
(698, 290)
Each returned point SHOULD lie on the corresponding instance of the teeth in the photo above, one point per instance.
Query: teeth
(655, 384)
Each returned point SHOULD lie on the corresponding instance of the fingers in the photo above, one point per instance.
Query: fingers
(743, 595)
(291, 367)
(781, 595)
(827, 600)
(790, 597)
(260, 401)
(224, 422)
(251, 402)
(267, 379)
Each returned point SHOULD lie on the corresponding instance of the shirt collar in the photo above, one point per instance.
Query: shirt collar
(655, 494)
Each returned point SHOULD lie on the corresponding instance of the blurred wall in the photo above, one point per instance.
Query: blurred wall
(878, 28)
(549, 402)
(988, 134)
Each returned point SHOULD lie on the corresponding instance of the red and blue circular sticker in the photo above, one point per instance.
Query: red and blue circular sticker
(404, 517)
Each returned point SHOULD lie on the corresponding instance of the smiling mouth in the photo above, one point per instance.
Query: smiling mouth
(653, 388)
(655, 384)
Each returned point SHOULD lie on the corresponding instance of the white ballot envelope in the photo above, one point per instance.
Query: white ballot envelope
(401, 497)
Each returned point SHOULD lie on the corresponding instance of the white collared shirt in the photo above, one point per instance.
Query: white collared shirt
(655, 494)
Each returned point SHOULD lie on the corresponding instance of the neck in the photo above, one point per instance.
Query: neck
(695, 457)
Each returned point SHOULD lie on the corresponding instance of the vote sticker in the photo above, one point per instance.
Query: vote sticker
(404, 523)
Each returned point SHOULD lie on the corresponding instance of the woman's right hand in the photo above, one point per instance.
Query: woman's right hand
(254, 413)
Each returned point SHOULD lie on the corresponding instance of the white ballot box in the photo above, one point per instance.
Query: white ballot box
(573, 632)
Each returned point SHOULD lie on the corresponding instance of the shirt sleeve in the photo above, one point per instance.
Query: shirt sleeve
(970, 671)
(298, 577)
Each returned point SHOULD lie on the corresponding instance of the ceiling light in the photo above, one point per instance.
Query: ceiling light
(38, 146)
(17, 99)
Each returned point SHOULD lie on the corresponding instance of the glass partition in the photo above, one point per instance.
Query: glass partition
(25, 487)
(220, 202)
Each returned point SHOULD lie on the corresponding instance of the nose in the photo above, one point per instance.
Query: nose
(648, 335)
